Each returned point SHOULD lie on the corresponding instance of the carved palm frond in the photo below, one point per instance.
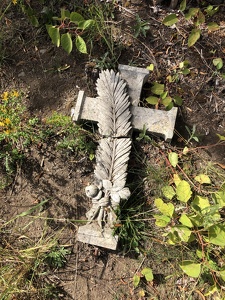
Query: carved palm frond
(114, 105)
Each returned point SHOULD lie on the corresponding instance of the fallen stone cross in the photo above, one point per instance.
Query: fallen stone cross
(117, 113)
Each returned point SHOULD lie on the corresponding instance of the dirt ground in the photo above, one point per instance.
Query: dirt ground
(32, 65)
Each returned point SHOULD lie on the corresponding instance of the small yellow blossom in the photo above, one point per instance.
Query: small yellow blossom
(14, 2)
(7, 132)
(5, 96)
(7, 121)
(2, 124)
(15, 94)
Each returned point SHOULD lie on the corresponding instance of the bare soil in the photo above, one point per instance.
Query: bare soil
(33, 65)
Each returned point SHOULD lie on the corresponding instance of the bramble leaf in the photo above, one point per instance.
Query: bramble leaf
(168, 192)
(202, 178)
(194, 36)
(66, 42)
(184, 219)
(183, 191)
(190, 268)
(152, 100)
(81, 45)
(157, 88)
(166, 209)
(170, 20)
(54, 34)
(173, 158)
(147, 272)
(217, 234)
(161, 220)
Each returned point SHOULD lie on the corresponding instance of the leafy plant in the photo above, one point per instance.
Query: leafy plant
(56, 257)
(192, 134)
(197, 16)
(71, 24)
(162, 97)
(192, 218)
(145, 273)
(141, 27)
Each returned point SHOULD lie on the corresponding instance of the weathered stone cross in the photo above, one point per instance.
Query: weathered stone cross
(117, 113)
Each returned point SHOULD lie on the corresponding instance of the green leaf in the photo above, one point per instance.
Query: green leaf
(85, 24)
(190, 268)
(150, 67)
(136, 280)
(185, 150)
(176, 179)
(166, 209)
(157, 88)
(168, 192)
(191, 13)
(152, 100)
(75, 17)
(161, 220)
(54, 34)
(220, 198)
(166, 101)
(170, 20)
(163, 95)
(200, 204)
(185, 71)
(218, 63)
(147, 272)
(222, 273)
(32, 209)
(183, 5)
(34, 21)
(184, 219)
(173, 158)
(183, 232)
(81, 45)
(200, 18)
(217, 234)
(66, 42)
(183, 191)
(221, 137)
(178, 100)
(64, 14)
(193, 37)
(212, 26)
(202, 178)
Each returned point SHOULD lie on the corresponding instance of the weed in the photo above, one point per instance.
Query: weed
(141, 27)
(56, 257)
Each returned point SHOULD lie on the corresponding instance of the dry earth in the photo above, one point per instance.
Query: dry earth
(31, 65)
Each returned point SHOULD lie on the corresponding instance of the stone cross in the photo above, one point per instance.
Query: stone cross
(117, 113)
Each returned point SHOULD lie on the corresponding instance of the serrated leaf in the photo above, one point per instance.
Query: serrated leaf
(183, 5)
(184, 219)
(176, 179)
(194, 36)
(212, 26)
(168, 192)
(85, 24)
(191, 13)
(54, 34)
(136, 280)
(161, 220)
(173, 158)
(166, 101)
(150, 67)
(157, 88)
(183, 191)
(147, 272)
(200, 204)
(183, 232)
(152, 100)
(202, 178)
(66, 42)
(81, 45)
(166, 209)
(222, 274)
(170, 20)
(76, 17)
(216, 234)
(190, 268)
(218, 63)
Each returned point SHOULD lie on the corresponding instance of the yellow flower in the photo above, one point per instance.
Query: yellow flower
(2, 124)
(14, 2)
(5, 96)
(7, 121)
(7, 132)
(15, 94)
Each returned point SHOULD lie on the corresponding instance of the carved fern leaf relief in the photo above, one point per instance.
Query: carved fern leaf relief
(113, 104)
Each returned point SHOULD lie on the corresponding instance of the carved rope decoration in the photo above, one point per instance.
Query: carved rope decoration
(112, 154)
